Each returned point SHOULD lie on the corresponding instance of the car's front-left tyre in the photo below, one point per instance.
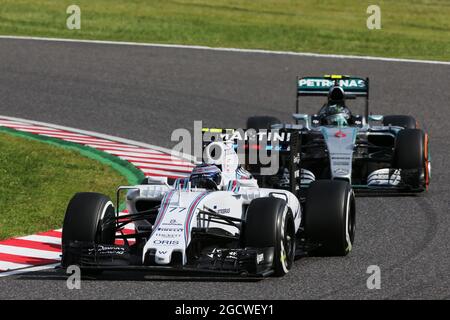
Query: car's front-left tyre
(270, 223)
(89, 218)
(330, 217)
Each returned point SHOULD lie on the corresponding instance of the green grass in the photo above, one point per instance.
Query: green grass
(37, 181)
(410, 28)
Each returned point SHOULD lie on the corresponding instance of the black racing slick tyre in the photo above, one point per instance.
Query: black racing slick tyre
(407, 122)
(412, 156)
(330, 217)
(90, 217)
(270, 223)
(261, 122)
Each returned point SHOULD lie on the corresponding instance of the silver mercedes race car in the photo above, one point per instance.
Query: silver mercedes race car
(217, 221)
(386, 154)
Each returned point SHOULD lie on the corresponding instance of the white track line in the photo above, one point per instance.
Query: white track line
(117, 146)
(13, 123)
(83, 140)
(104, 145)
(146, 161)
(150, 162)
(49, 133)
(138, 154)
(162, 166)
(103, 136)
(165, 172)
(42, 239)
(177, 46)
(26, 270)
(29, 128)
(127, 149)
(5, 265)
(27, 252)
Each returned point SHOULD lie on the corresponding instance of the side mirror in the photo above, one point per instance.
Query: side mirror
(376, 117)
(302, 117)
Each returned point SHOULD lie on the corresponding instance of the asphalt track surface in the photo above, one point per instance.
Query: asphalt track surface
(143, 93)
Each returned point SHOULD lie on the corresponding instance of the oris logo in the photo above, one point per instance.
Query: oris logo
(166, 242)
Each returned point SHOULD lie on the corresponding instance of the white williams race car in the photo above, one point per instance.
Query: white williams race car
(216, 221)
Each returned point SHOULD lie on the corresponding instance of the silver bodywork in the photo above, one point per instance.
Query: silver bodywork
(341, 142)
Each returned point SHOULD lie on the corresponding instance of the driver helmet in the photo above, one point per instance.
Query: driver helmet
(336, 113)
(206, 176)
(336, 95)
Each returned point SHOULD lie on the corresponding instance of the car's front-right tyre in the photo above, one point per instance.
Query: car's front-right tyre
(411, 155)
(404, 121)
(89, 218)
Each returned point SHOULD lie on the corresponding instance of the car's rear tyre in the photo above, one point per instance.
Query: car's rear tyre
(330, 217)
(412, 156)
(407, 122)
(89, 218)
(261, 122)
(270, 223)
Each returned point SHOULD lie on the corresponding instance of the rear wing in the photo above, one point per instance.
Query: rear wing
(320, 86)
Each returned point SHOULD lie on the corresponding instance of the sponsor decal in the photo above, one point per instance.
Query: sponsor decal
(166, 242)
(264, 135)
(170, 229)
(223, 254)
(345, 83)
(260, 258)
(341, 171)
(106, 250)
(341, 163)
(223, 211)
(340, 153)
(172, 222)
(252, 135)
(340, 134)
(167, 235)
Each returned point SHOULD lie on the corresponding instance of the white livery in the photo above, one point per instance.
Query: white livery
(219, 220)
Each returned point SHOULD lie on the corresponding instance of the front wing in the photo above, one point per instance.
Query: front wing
(251, 262)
